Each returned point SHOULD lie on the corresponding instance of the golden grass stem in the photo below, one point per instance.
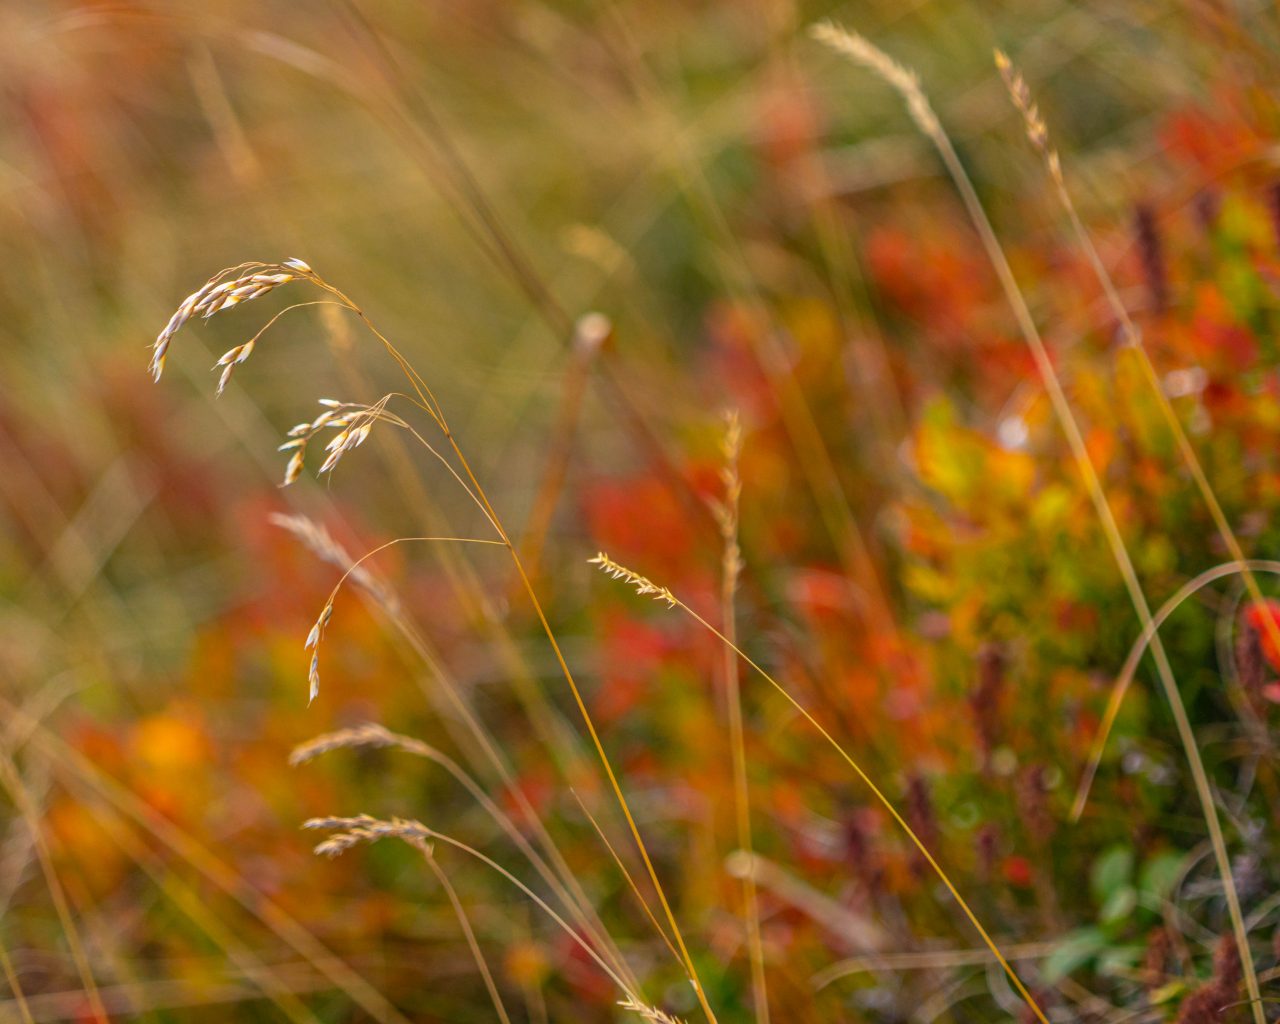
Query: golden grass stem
(690, 968)
(631, 882)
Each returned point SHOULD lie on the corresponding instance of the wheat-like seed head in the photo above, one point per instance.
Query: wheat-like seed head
(861, 51)
(643, 584)
(1036, 129)
(225, 289)
(363, 828)
(649, 1013)
(368, 734)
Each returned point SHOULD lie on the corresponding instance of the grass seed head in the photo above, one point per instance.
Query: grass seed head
(643, 584)
(369, 734)
(225, 289)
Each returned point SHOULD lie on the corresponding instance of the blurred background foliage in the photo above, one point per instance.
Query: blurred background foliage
(766, 231)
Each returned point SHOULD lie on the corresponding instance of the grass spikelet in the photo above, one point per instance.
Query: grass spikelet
(649, 1013)
(1037, 131)
(320, 542)
(353, 421)
(225, 289)
(644, 586)
(368, 734)
(862, 51)
(363, 828)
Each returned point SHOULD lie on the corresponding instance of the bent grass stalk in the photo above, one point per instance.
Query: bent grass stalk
(351, 831)
(906, 83)
(1125, 677)
(208, 301)
(464, 920)
(648, 588)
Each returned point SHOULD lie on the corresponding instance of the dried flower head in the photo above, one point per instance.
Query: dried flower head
(225, 289)
(642, 584)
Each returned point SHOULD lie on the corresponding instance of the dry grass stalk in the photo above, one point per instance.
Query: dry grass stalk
(320, 542)
(1037, 131)
(862, 51)
(369, 734)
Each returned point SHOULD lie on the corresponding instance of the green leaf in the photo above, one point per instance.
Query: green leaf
(1118, 905)
(1110, 871)
(1074, 951)
(1160, 874)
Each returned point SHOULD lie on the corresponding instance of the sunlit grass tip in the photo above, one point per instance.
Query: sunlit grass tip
(643, 584)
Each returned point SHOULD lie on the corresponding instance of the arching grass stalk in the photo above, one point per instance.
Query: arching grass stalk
(648, 588)
(1139, 648)
(907, 84)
